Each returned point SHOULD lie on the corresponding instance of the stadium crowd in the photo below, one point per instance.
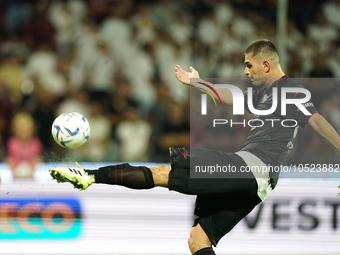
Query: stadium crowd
(113, 61)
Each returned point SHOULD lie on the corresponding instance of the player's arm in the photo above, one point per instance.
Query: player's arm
(184, 77)
(322, 126)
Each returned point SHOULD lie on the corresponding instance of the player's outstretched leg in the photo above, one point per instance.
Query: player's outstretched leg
(135, 177)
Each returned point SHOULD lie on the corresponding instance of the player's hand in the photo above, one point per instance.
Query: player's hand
(184, 76)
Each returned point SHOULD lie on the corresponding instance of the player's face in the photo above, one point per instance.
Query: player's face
(254, 70)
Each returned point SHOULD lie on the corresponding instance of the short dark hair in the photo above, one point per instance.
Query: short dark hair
(262, 46)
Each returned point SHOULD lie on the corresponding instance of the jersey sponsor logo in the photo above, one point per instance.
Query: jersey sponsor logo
(310, 104)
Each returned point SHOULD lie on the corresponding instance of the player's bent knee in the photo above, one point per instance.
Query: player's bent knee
(198, 239)
(160, 175)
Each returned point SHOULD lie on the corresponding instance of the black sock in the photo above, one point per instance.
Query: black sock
(205, 251)
(135, 177)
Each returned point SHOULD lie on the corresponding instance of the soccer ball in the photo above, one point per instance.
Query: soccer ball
(70, 130)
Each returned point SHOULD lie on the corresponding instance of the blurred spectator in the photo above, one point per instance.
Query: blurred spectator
(86, 46)
(294, 68)
(241, 26)
(12, 76)
(140, 70)
(333, 58)
(42, 105)
(206, 60)
(330, 109)
(23, 149)
(305, 15)
(264, 30)
(168, 55)
(228, 43)
(43, 64)
(74, 71)
(181, 30)
(175, 132)
(223, 12)
(322, 32)
(102, 69)
(18, 13)
(133, 135)
(158, 116)
(164, 13)
(231, 66)
(321, 89)
(66, 16)
(120, 99)
(7, 107)
(268, 9)
(116, 24)
(77, 101)
(294, 37)
(208, 30)
(143, 24)
(98, 9)
(307, 52)
(321, 69)
(14, 45)
(39, 29)
(96, 148)
(331, 10)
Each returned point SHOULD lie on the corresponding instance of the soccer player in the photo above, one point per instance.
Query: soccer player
(222, 203)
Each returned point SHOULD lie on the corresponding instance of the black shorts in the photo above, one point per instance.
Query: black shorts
(221, 203)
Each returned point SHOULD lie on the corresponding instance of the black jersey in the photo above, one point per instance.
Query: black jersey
(271, 142)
